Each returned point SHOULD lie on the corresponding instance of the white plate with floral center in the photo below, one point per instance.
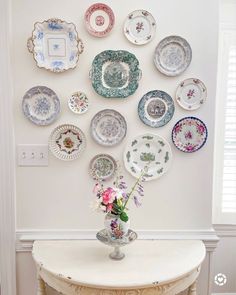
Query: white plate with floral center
(140, 27)
(189, 134)
(41, 105)
(148, 150)
(173, 55)
(103, 167)
(191, 94)
(108, 127)
(78, 102)
(99, 19)
(67, 142)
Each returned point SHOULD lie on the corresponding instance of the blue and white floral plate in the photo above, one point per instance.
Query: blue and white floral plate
(156, 108)
(55, 45)
(41, 105)
(150, 151)
(173, 55)
(103, 167)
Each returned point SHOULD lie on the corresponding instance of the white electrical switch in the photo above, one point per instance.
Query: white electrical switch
(32, 154)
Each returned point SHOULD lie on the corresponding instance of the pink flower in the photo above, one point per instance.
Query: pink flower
(200, 129)
(109, 207)
(108, 196)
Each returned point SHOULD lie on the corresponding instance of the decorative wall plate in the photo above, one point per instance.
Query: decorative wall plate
(103, 167)
(115, 73)
(148, 150)
(55, 45)
(140, 27)
(172, 55)
(156, 108)
(41, 105)
(189, 134)
(99, 19)
(191, 94)
(108, 127)
(67, 142)
(78, 102)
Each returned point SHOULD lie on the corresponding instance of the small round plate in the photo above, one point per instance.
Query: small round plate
(156, 108)
(67, 142)
(173, 55)
(140, 27)
(191, 94)
(78, 103)
(189, 134)
(99, 19)
(103, 167)
(41, 105)
(108, 127)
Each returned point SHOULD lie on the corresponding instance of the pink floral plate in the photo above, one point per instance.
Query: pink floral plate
(189, 134)
(99, 19)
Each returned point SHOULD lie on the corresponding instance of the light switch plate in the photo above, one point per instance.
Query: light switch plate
(32, 154)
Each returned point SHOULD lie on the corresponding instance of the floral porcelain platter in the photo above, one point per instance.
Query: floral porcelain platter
(173, 55)
(156, 108)
(115, 73)
(108, 127)
(41, 105)
(140, 27)
(191, 94)
(189, 134)
(55, 45)
(78, 102)
(103, 167)
(99, 19)
(148, 150)
(67, 142)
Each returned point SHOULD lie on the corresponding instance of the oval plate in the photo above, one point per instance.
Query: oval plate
(67, 142)
(191, 94)
(173, 55)
(103, 167)
(140, 27)
(99, 19)
(148, 150)
(78, 103)
(41, 105)
(108, 127)
(189, 134)
(156, 108)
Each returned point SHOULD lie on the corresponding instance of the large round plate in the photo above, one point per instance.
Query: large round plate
(108, 127)
(140, 27)
(148, 150)
(78, 103)
(156, 108)
(99, 19)
(103, 167)
(191, 94)
(189, 134)
(172, 55)
(41, 105)
(67, 142)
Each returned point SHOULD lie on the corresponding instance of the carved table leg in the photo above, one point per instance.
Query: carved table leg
(192, 289)
(41, 290)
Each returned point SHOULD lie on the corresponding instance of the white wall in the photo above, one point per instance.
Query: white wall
(58, 196)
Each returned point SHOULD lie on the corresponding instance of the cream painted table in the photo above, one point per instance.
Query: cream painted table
(150, 267)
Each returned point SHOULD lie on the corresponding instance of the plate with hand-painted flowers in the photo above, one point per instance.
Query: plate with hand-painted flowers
(78, 102)
(191, 94)
(189, 134)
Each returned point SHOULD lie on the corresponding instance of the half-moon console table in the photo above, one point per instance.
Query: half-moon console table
(151, 267)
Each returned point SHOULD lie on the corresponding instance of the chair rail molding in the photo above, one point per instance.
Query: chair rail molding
(7, 158)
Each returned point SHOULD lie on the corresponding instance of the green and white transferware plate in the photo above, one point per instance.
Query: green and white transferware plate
(148, 150)
(115, 73)
(103, 167)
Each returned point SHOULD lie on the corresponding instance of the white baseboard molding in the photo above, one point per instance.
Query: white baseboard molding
(225, 230)
(25, 238)
(223, 294)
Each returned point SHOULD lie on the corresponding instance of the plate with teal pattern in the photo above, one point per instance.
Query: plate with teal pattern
(41, 105)
(156, 108)
(148, 152)
(115, 73)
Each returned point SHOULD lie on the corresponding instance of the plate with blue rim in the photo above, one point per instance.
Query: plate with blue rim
(149, 154)
(41, 105)
(156, 108)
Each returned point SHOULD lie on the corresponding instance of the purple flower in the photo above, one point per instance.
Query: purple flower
(136, 201)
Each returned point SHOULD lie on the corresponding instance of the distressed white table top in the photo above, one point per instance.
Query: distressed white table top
(86, 262)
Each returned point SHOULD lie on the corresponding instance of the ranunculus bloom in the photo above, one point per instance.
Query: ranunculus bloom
(108, 196)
